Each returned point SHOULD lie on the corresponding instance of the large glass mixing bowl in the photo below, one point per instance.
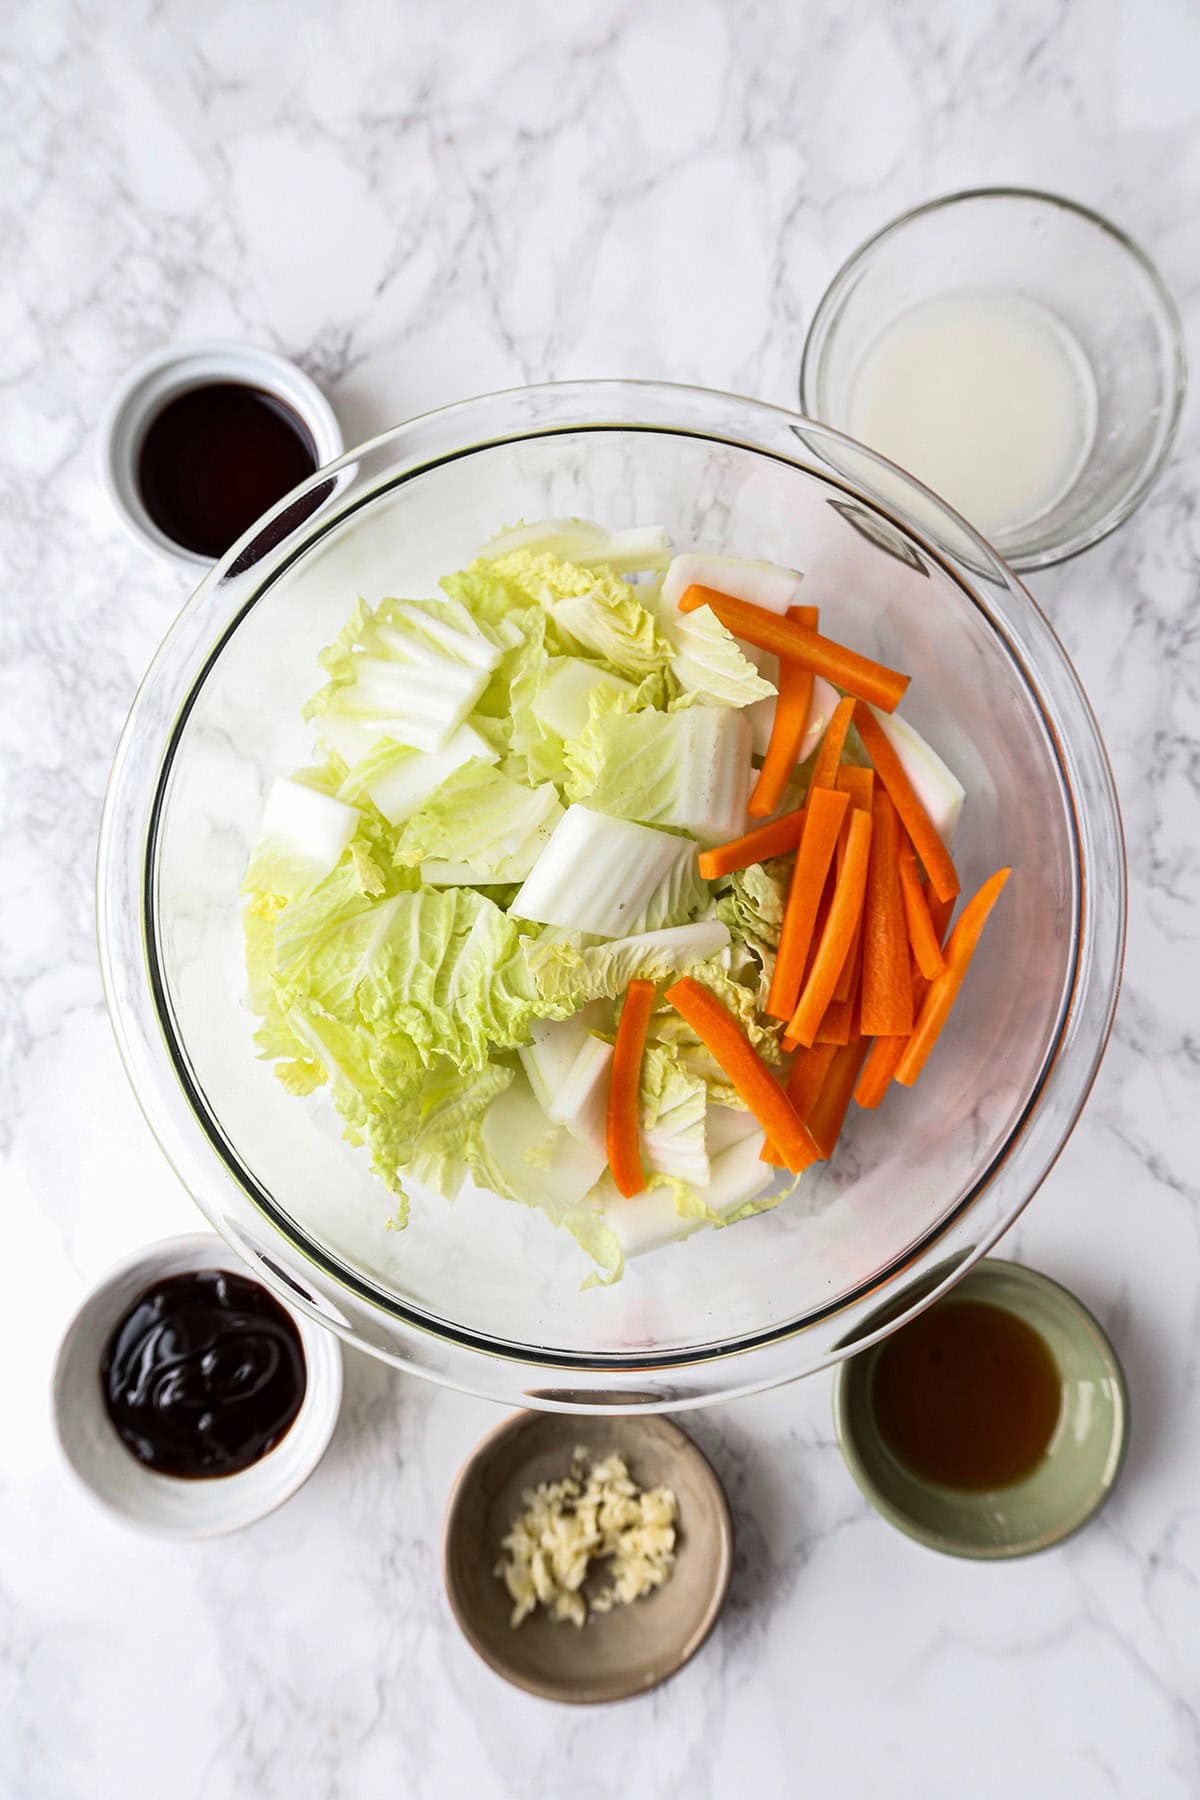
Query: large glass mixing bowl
(484, 1294)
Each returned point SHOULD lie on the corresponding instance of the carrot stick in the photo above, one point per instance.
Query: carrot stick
(916, 821)
(803, 1085)
(851, 975)
(879, 1070)
(724, 1039)
(792, 710)
(926, 944)
(621, 1125)
(858, 783)
(836, 938)
(935, 1008)
(843, 1014)
(829, 756)
(886, 980)
(807, 1077)
(823, 820)
(940, 914)
(828, 1114)
(885, 1054)
(818, 931)
(861, 676)
(772, 839)
(837, 1027)
(882, 1063)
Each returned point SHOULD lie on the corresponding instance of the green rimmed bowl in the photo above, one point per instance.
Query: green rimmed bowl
(1072, 1480)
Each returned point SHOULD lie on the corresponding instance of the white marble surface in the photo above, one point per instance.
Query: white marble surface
(421, 202)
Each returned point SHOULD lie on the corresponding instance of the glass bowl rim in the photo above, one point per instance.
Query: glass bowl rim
(578, 402)
(832, 300)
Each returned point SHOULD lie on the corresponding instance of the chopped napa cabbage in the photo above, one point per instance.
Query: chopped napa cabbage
(753, 905)
(671, 1210)
(647, 1222)
(566, 973)
(428, 973)
(398, 779)
(724, 1126)
(412, 669)
(689, 769)
(549, 1056)
(508, 707)
(938, 789)
(761, 583)
(581, 1103)
(611, 877)
(485, 822)
(562, 701)
(451, 978)
(353, 740)
(430, 1132)
(738, 990)
(594, 610)
(738, 1175)
(710, 665)
(525, 1157)
(303, 835)
(638, 548)
(762, 718)
(674, 1101)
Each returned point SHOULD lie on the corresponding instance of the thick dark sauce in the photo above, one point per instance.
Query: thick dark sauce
(216, 458)
(968, 1395)
(203, 1375)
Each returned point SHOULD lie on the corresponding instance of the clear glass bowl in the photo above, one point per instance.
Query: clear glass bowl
(484, 1294)
(1077, 266)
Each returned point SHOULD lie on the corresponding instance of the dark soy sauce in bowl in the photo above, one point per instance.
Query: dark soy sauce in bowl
(203, 1374)
(214, 458)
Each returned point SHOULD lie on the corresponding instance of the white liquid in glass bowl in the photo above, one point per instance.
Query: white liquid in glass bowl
(987, 397)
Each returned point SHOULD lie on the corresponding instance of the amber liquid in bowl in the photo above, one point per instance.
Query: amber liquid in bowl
(968, 1396)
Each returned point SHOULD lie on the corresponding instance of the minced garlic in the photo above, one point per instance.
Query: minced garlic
(596, 1512)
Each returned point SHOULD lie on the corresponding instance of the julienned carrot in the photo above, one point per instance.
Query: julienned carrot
(823, 820)
(829, 756)
(818, 930)
(851, 975)
(880, 1066)
(940, 914)
(772, 839)
(838, 934)
(858, 783)
(943, 877)
(843, 1015)
(750, 1076)
(961, 947)
(926, 944)
(886, 979)
(804, 1083)
(861, 676)
(837, 1027)
(624, 1082)
(827, 1116)
(792, 710)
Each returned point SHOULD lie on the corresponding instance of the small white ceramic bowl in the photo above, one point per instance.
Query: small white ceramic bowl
(165, 1504)
(171, 371)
